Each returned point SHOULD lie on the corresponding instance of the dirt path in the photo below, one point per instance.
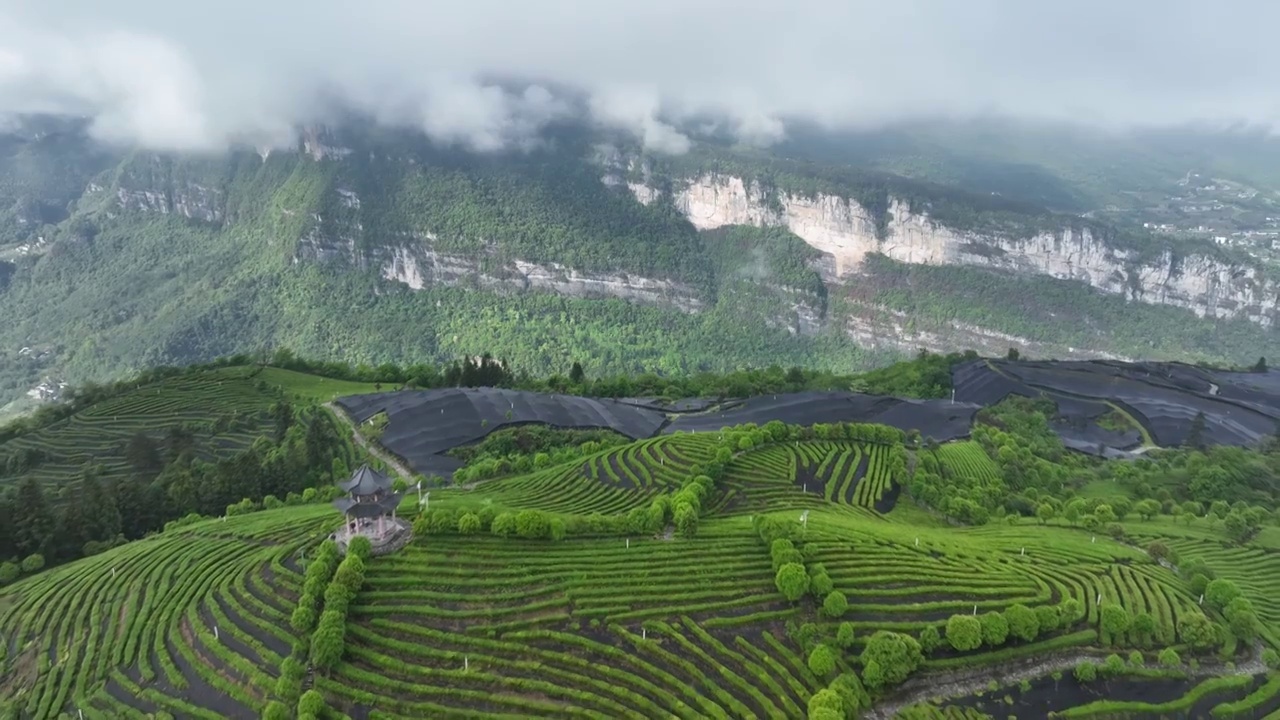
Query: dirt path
(371, 448)
(957, 684)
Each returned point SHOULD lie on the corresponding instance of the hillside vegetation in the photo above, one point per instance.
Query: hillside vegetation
(112, 261)
(835, 570)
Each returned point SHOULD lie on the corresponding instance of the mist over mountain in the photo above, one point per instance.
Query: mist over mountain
(490, 74)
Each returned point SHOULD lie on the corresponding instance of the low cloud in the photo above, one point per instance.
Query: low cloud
(192, 76)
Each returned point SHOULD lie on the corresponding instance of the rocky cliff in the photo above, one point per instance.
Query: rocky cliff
(414, 260)
(845, 231)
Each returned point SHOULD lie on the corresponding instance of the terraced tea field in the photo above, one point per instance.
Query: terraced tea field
(194, 621)
(225, 409)
(823, 472)
(189, 622)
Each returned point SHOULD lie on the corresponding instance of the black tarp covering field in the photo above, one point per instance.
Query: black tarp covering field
(938, 419)
(1239, 408)
(423, 424)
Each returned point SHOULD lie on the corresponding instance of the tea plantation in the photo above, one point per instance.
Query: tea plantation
(834, 570)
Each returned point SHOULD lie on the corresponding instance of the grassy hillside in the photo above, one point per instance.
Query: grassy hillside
(775, 571)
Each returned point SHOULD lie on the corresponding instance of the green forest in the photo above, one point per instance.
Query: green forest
(135, 259)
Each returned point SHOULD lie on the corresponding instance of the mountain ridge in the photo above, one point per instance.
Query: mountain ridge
(374, 245)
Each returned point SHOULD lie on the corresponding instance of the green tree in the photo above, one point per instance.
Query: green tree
(1168, 657)
(1157, 550)
(835, 604)
(1144, 624)
(1023, 623)
(276, 710)
(822, 661)
(1136, 659)
(792, 581)
(9, 571)
(1197, 631)
(469, 524)
(845, 635)
(1148, 508)
(1218, 593)
(1045, 512)
(311, 703)
(995, 629)
(504, 524)
(930, 638)
(1086, 672)
(32, 563)
(897, 656)
(1114, 619)
(1113, 666)
(825, 699)
(1048, 618)
(964, 632)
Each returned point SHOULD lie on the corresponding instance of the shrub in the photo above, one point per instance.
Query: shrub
(1169, 658)
(276, 710)
(896, 656)
(1114, 619)
(504, 524)
(1218, 593)
(9, 571)
(303, 618)
(1271, 658)
(1023, 623)
(964, 632)
(1113, 666)
(822, 661)
(930, 638)
(821, 584)
(995, 629)
(311, 703)
(835, 605)
(1198, 631)
(792, 581)
(1136, 659)
(845, 635)
(469, 523)
(1048, 618)
(826, 699)
(32, 563)
(1086, 672)
(361, 548)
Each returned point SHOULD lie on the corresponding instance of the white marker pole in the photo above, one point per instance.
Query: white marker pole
(1024, 551)
(917, 542)
(644, 634)
(975, 608)
(466, 663)
(215, 633)
(628, 543)
(1099, 600)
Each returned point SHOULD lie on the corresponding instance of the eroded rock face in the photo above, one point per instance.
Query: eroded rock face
(420, 266)
(845, 232)
(414, 260)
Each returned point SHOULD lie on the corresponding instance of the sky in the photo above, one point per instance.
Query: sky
(174, 75)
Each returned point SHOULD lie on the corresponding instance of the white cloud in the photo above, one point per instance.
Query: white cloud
(198, 76)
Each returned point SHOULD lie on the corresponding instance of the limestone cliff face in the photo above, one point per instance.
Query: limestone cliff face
(846, 232)
(414, 260)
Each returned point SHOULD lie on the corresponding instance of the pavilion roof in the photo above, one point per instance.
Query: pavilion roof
(385, 506)
(366, 481)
